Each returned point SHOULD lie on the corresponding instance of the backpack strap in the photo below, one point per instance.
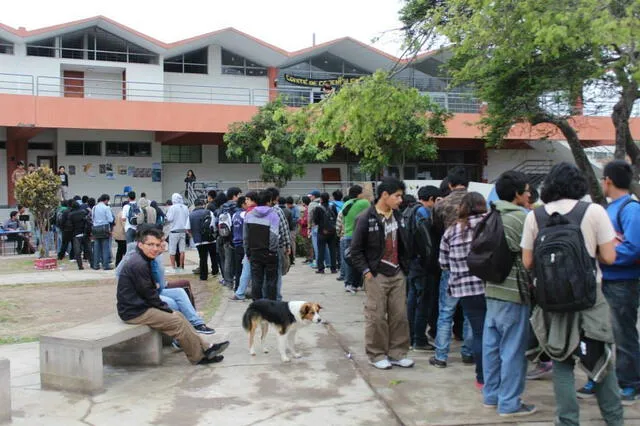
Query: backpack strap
(542, 217)
(577, 212)
(619, 215)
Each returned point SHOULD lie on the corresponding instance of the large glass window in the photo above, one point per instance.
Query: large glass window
(235, 64)
(92, 148)
(195, 62)
(128, 149)
(6, 47)
(182, 153)
(45, 47)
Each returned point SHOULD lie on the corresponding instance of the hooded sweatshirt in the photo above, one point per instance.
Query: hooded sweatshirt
(178, 215)
(260, 231)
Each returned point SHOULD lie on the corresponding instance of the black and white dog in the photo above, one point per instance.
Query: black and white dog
(287, 317)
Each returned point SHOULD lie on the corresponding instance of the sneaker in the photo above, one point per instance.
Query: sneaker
(203, 329)
(587, 391)
(468, 360)
(334, 271)
(196, 271)
(541, 370)
(383, 364)
(216, 349)
(524, 410)
(340, 279)
(437, 363)
(234, 297)
(320, 271)
(424, 348)
(404, 362)
(350, 289)
(176, 345)
(213, 360)
(629, 396)
(493, 406)
(314, 265)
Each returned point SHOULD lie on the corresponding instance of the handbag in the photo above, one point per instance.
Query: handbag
(101, 231)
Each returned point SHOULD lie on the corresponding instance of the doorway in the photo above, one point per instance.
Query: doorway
(48, 161)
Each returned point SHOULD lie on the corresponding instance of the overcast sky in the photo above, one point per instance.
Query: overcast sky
(286, 24)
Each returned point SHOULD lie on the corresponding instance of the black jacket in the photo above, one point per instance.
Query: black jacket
(320, 218)
(137, 289)
(78, 219)
(367, 246)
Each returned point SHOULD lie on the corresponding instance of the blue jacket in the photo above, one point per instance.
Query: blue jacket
(628, 251)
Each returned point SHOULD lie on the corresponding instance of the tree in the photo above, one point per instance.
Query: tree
(532, 61)
(38, 191)
(384, 121)
(270, 137)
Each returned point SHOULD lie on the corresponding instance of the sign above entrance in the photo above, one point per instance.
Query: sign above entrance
(313, 82)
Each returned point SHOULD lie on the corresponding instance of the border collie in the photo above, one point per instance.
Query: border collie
(287, 317)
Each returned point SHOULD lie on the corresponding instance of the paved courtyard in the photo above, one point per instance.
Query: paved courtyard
(331, 384)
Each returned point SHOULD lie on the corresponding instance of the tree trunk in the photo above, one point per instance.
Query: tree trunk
(624, 141)
(403, 160)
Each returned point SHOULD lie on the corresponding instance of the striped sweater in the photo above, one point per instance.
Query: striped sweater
(513, 217)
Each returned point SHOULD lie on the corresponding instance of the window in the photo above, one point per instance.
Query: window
(42, 48)
(189, 63)
(223, 158)
(128, 149)
(234, 64)
(182, 153)
(46, 146)
(6, 47)
(93, 148)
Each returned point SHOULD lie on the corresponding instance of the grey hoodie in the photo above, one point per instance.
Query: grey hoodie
(178, 215)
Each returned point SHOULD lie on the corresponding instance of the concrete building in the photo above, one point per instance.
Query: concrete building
(118, 108)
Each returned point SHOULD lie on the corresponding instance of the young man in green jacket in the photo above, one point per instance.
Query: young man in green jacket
(506, 326)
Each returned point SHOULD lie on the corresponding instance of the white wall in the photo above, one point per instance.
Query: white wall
(102, 85)
(501, 160)
(90, 181)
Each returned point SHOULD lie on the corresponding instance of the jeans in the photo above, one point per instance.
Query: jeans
(504, 343)
(314, 241)
(130, 235)
(238, 255)
(279, 279)
(264, 274)
(623, 298)
(327, 242)
(567, 408)
(345, 268)
(204, 252)
(67, 239)
(101, 253)
(78, 243)
(178, 300)
(417, 308)
(343, 265)
(475, 309)
(447, 307)
(245, 277)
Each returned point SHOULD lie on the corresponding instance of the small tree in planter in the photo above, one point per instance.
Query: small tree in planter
(38, 191)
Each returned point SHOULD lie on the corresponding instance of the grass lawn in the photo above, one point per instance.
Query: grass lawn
(17, 265)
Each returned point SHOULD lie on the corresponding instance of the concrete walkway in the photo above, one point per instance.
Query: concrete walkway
(332, 384)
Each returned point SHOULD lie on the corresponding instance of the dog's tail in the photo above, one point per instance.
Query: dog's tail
(247, 317)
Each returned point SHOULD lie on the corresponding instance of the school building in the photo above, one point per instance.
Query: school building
(119, 108)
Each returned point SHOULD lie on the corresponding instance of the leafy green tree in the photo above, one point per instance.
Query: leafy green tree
(38, 191)
(385, 122)
(270, 137)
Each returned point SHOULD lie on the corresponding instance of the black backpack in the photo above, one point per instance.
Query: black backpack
(490, 258)
(330, 219)
(564, 272)
(419, 231)
(207, 229)
(132, 215)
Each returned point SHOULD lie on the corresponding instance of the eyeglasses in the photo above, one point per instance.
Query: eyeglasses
(153, 245)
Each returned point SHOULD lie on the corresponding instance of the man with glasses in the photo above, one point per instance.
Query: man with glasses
(138, 302)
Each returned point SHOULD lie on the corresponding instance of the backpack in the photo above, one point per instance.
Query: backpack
(330, 219)
(490, 257)
(238, 222)
(207, 228)
(59, 218)
(133, 214)
(419, 232)
(564, 272)
(225, 224)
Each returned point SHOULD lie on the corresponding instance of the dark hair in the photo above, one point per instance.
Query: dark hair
(71, 203)
(19, 206)
(143, 194)
(77, 198)
(324, 198)
(428, 192)
(408, 200)
(289, 200)
(59, 167)
(337, 195)
(31, 165)
(192, 174)
(620, 173)
(148, 230)
(241, 201)
(233, 191)
(264, 197)
(20, 163)
(220, 199)
(282, 201)
(275, 192)
(85, 198)
(510, 184)
(444, 187)
(103, 197)
(471, 204)
(305, 200)
(354, 191)
(564, 181)
(198, 202)
(131, 195)
(169, 202)
(91, 202)
(212, 193)
(534, 195)
(252, 195)
(458, 176)
(390, 185)
(13, 213)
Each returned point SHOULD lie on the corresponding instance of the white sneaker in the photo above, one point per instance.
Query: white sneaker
(404, 362)
(383, 364)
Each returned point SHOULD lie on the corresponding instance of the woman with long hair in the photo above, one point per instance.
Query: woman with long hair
(454, 250)
(188, 181)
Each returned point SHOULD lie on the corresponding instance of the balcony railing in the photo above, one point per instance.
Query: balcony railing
(92, 54)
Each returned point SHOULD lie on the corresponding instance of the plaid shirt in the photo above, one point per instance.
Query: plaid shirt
(454, 249)
(285, 235)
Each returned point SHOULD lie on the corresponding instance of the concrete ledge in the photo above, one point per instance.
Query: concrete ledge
(73, 359)
(5, 390)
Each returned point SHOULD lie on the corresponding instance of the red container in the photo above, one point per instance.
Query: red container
(46, 263)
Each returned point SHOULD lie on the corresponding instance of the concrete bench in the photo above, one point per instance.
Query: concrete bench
(73, 359)
(5, 390)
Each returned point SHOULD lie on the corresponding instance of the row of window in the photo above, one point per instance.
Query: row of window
(112, 149)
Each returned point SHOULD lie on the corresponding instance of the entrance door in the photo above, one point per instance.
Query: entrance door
(48, 161)
(73, 84)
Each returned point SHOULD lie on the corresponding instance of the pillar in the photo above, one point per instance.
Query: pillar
(272, 77)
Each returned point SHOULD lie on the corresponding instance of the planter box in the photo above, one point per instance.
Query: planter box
(46, 263)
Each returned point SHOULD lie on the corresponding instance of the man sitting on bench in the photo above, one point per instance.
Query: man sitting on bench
(139, 303)
(12, 225)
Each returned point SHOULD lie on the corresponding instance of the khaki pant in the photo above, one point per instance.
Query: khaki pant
(175, 325)
(386, 330)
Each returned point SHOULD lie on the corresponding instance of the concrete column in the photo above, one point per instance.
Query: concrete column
(16, 151)
(5, 390)
(70, 368)
(272, 77)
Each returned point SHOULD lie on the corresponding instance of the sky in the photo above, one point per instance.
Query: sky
(286, 24)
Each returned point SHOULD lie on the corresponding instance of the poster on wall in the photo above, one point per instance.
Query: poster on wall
(108, 167)
(122, 170)
(89, 170)
(102, 169)
(72, 170)
(131, 170)
(156, 172)
(110, 175)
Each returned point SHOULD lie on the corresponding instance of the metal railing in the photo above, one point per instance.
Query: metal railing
(93, 54)
(16, 84)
